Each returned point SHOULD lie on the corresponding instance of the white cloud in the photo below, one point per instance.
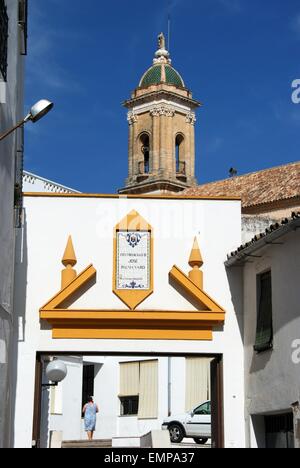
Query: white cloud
(215, 145)
(235, 6)
(296, 25)
(42, 65)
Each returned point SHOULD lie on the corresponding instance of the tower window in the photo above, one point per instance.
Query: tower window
(145, 149)
(3, 39)
(180, 157)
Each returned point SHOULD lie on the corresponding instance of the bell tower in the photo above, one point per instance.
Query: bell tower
(161, 117)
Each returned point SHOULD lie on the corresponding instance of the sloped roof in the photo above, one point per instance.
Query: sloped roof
(267, 186)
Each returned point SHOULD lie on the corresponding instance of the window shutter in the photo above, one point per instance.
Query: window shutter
(148, 402)
(264, 332)
(129, 379)
(197, 381)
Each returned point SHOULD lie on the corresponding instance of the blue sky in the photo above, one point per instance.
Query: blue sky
(239, 57)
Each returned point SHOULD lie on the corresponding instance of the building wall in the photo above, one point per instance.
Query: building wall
(11, 109)
(107, 388)
(272, 378)
(91, 221)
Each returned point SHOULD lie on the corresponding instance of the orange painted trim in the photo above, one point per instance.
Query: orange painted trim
(121, 315)
(130, 334)
(196, 293)
(83, 278)
(150, 325)
(124, 197)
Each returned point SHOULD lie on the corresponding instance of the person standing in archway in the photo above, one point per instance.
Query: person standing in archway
(90, 411)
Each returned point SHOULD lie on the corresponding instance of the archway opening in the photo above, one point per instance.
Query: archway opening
(145, 150)
(180, 154)
(134, 384)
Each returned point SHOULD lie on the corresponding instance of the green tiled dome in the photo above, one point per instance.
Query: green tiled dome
(155, 75)
(151, 77)
(172, 77)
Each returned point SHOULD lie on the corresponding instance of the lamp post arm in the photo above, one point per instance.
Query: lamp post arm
(20, 124)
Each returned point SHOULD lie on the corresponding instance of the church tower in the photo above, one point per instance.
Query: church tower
(161, 116)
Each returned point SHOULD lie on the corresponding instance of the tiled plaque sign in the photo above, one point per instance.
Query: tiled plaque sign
(133, 260)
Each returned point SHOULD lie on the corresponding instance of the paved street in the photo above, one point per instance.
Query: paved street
(189, 443)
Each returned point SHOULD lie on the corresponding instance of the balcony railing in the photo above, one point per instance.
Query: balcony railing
(144, 169)
(181, 168)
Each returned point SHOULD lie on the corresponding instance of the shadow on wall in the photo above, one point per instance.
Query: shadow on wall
(21, 265)
(236, 282)
(259, 429)
(235, 278)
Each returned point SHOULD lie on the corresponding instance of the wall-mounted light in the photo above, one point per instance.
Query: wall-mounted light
(39, 110)
(56, 372)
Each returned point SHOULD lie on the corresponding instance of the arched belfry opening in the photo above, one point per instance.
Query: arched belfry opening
(180, 155)
(144, 142)
(161, 117)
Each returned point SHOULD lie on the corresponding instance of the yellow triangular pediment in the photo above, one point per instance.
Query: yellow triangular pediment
(68, 293)
(203, 301)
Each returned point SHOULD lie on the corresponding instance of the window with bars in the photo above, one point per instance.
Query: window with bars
(3, 39)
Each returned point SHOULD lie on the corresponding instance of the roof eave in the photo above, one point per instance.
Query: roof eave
(243, 256)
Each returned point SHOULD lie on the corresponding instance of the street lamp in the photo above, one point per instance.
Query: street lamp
(56, 372)
(39, 110)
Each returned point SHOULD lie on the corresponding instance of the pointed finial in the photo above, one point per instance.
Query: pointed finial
(69, 261)
(69, 257)
(196, 263)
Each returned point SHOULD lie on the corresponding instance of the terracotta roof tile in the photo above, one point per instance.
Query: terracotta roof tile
(267, 186)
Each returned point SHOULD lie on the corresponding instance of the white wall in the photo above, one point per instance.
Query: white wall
(49, 222)
(11, 108)
(272, 378)
(69, 422)
(33, 183)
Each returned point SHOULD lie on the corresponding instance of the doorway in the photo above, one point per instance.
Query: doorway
(145, 370)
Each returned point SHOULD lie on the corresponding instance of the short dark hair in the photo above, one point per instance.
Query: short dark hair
(90, 399)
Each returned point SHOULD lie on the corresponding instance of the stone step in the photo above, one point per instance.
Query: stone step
(86, 444)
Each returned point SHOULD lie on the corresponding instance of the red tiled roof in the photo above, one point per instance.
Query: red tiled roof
(267, 186)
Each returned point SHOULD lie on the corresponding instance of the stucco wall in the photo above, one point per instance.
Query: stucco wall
(272, 378)
(49, 222)
(11, 107)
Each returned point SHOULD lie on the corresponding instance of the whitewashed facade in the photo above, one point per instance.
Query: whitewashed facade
(272, 377)
(11, 152)
(90, 220)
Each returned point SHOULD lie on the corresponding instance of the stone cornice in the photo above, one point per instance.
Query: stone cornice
(160, 95)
